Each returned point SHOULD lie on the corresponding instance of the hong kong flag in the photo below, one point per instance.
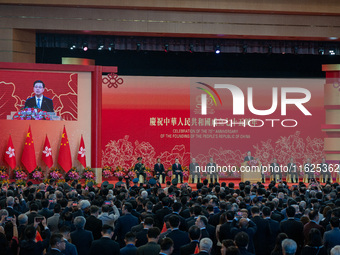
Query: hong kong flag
(81, 152)
(47, 153)
(10, 154)
(64, 157)
(28, 156)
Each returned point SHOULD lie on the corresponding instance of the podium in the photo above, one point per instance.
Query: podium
(254, 176)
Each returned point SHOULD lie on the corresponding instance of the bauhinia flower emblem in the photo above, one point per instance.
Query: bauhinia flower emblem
(47, 151)
(10, 152)
(82, 152)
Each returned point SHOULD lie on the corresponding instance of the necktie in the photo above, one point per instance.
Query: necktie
(39, 105)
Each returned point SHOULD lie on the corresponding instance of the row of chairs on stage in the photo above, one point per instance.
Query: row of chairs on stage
(191, 179)
(290, 178)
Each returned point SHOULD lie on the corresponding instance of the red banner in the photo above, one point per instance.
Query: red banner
(64, 157)
(28, 155)
(10, 154)
(81, 152)
(47, 153)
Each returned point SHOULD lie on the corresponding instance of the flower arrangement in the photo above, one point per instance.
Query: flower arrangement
(169, 172)
(149, 172)
(131, 173)
(73, 174)
(107, 173)
(37, 174)
(3, 173)
(89, 174)
(31, 114)
(252, 162)
(119, 172)
(55, 174)
(185, 172)
(19, 174)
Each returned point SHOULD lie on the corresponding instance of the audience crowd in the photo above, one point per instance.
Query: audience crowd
(146, 219)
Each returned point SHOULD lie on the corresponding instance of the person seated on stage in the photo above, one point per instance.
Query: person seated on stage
(140, 168)
(326, 175)
(275, 170)
(39, 100)
(248, 157)
(292, 170)
(194, 170)
(177, 169)
(159, 170)
(212, 170)
(309, 169)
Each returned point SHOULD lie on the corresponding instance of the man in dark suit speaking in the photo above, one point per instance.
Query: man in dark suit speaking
(39, 100)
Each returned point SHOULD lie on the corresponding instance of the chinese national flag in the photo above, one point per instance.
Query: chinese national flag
(28, 155)
(10, 154)
(47, 153)
(81, 152)
(64, 157)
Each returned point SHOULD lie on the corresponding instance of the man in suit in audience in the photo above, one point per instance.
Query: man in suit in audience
(179, 237)
(10, 204)
(45, 211)
(274, 227)
(81, 238)
(263, 233)
(57, 245)
(177, 169)
(104, 245)
(313, 219)
(141, 236)
(93, 224)
(124, 224)
(227, 226)
(293, 228)
(248, 227)
(52, 222)
(242, 242)
(70, 249)
(332, 238)
(130, 242)
(202, 223)
(176, 207)
(206, 246)
(159, 170)
(167, 246)
(195, 236)
(151, 247)
(161, 213)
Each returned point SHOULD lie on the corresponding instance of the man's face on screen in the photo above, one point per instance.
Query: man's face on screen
(38, 89)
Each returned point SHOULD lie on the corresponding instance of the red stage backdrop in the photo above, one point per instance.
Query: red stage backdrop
(62, 88)
(161, 117)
